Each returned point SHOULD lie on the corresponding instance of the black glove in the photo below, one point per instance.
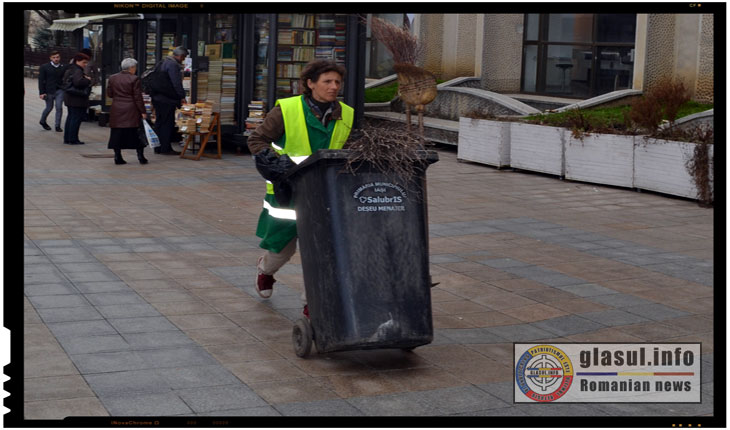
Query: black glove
(283, 193)
(271, 165)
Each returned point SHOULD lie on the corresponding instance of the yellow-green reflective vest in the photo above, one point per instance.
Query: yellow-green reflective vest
(277, 225)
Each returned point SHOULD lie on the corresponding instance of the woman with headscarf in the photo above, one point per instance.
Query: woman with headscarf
(77, 87)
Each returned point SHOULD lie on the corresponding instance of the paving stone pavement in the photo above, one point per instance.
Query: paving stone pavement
(139, 301)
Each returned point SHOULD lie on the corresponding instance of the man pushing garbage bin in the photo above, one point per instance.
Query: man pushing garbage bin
(294, 129)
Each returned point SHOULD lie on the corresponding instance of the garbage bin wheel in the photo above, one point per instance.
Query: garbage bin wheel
(302, 337)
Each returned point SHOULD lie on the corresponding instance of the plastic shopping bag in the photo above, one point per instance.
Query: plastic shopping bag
(152, 138)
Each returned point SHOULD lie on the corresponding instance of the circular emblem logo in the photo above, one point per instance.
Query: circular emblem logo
(544, 373)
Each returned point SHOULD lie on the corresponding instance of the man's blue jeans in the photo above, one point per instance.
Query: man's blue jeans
(51, 100)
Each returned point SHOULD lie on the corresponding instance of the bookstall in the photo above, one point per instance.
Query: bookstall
(241, 63)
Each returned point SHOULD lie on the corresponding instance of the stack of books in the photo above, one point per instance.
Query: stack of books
(323, 52)
(261, 82)
(151, 49)
(202, 85)
(289, 70)
(256, 116)
(228, 91)
(215, 75)
(302, 20)
(168, 43)
(297, 37)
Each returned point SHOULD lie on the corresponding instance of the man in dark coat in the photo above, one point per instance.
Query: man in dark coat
(50, 89)
(77, 104)
(165, 104)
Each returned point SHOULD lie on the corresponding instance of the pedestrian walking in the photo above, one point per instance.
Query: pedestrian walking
(165, 103)
(50, 89)
(125, 89)
(295, 128)
(77, 87)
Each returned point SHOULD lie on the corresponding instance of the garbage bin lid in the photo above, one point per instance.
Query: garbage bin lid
(344, 154)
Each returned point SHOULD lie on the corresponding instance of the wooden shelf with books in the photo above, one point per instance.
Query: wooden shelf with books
(303, 38)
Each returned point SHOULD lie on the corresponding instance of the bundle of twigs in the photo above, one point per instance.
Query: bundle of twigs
(389, 147)
(402, 45)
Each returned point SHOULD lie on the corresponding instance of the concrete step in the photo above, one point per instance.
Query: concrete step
(435, 129)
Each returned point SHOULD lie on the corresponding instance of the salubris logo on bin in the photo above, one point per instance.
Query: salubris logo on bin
(607, 373)
(380, 197)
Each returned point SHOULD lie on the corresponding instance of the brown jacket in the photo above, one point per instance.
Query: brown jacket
(272, 129)
(127, 104)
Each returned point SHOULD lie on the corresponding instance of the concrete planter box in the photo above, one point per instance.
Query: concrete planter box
(484, 141)
(600, 158)
(659, 165)
(537, 148)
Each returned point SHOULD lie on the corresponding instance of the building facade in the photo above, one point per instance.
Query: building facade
(571, 55)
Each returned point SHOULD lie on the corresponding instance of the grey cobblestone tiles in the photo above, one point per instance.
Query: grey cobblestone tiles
(619, 300)
(197, 376)
(105, 362)
(260, 411)
(141, 324)
(148, 404)
(656, 311)
(402, 404)
(587, 290)
(208, 399)
(157, 339)
(322, 408)
(191, 381)
(127, 311)
(93, 344)
(81, 313)
(685, 267)
(455, 400)
(567, 325)
(128, 382)
(471, 335)
(58, 288)
(613, 317)
(521, 332)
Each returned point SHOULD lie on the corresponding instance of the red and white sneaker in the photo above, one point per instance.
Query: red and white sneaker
(265, 285)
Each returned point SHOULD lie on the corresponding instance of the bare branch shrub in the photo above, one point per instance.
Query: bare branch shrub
(661, 102)
(389, 147)
(402, 45)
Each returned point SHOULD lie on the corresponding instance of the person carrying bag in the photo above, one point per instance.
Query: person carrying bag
(76, 90)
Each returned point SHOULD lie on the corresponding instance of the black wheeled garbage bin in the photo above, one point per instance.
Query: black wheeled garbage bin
(363, 239)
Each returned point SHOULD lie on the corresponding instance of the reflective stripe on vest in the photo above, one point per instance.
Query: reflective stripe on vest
(279, 212)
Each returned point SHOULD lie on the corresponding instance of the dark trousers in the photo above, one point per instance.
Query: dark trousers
(164, 124)
(51, 100)
(73, 123)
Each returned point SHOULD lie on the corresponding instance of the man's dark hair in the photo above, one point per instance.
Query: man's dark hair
(315, 68)
(88, 52)
(54, 53)
(80, 57)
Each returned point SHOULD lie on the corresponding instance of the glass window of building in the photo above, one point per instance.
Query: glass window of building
(578, 55)
(378, 60)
